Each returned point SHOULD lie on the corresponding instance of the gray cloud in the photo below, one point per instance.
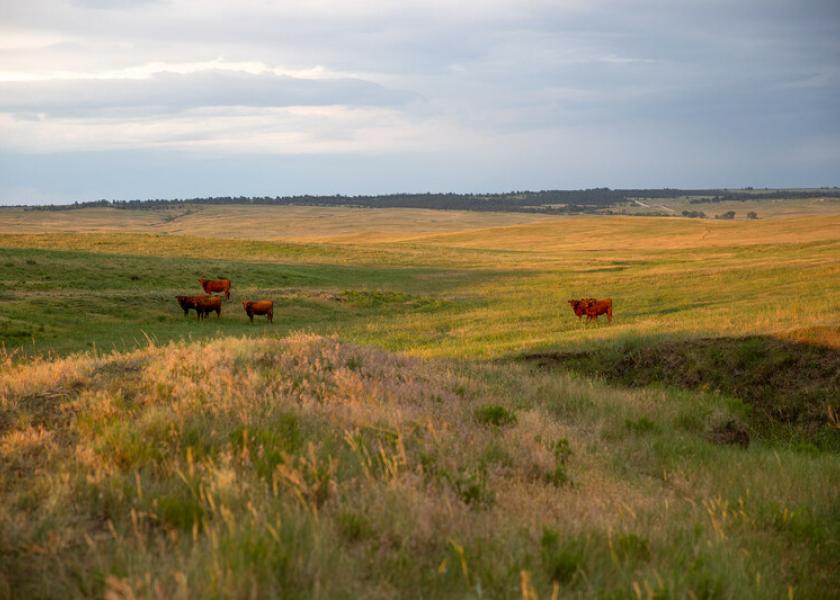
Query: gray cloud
(112, 4)
(602, 92)
(168, 92)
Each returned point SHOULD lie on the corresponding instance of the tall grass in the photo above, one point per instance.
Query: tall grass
(310, 467)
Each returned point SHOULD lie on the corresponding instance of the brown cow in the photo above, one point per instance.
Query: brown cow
(579, 306)
(188, 303)
(204, 306)
(592, 307)
(216, 285)
(599, 307)
(259, 307)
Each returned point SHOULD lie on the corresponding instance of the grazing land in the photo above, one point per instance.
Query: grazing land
(425, 417)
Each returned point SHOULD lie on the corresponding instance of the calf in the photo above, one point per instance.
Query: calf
(209, 304)
(259, 307)
(216, 285)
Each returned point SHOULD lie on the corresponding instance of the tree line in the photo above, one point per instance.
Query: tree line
(544, 201)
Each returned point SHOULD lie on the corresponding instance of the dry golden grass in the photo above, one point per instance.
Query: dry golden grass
(600, 236)
(293, 223)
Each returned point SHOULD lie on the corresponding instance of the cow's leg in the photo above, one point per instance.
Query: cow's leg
(271, 317)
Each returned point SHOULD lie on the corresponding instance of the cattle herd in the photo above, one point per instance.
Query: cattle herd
(204, 305)
(592, 307)
(208, 303)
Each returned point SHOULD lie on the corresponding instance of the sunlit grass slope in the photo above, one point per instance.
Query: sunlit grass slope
(479, 293)
(308, 467)
(262, 222)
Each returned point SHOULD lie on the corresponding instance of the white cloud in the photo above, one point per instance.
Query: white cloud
(150, 69)
(168, 92)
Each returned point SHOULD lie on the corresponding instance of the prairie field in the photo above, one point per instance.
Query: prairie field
(426, 417)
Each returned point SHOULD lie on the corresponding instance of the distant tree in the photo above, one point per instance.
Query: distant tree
(694, 214)
(729, 214)
(752, 215)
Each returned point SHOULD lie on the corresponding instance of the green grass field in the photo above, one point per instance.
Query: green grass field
(426, 417)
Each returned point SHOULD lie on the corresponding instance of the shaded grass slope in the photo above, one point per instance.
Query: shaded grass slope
(791, 388)
(307, 467)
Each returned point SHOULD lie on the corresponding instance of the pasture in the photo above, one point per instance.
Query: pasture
(425, 417)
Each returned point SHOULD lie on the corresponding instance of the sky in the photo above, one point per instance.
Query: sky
(125, 99)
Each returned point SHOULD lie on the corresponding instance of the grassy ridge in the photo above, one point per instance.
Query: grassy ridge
(306, 467)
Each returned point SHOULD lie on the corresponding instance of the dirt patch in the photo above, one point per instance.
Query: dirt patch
(730, 432)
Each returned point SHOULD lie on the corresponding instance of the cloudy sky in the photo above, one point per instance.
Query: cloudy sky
(180, 98)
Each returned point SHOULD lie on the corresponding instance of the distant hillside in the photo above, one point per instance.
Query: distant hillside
(546, 201)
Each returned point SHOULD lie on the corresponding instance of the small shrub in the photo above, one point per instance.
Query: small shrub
(561, 560)
(471, 487)
(495, 454)
(562, 452)
(353, 526)
(494, 414)
(179, 511)
(641, 426)
(632, 547)
(281, 436)
(373, 298)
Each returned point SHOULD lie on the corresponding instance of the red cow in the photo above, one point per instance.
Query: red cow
(599, 307)
(259, 307)
(204, 306)
(579, 306)
(188, 303)
(592, 307)
(216, 285)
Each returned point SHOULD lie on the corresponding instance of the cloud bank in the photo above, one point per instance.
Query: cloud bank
(416, 96)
